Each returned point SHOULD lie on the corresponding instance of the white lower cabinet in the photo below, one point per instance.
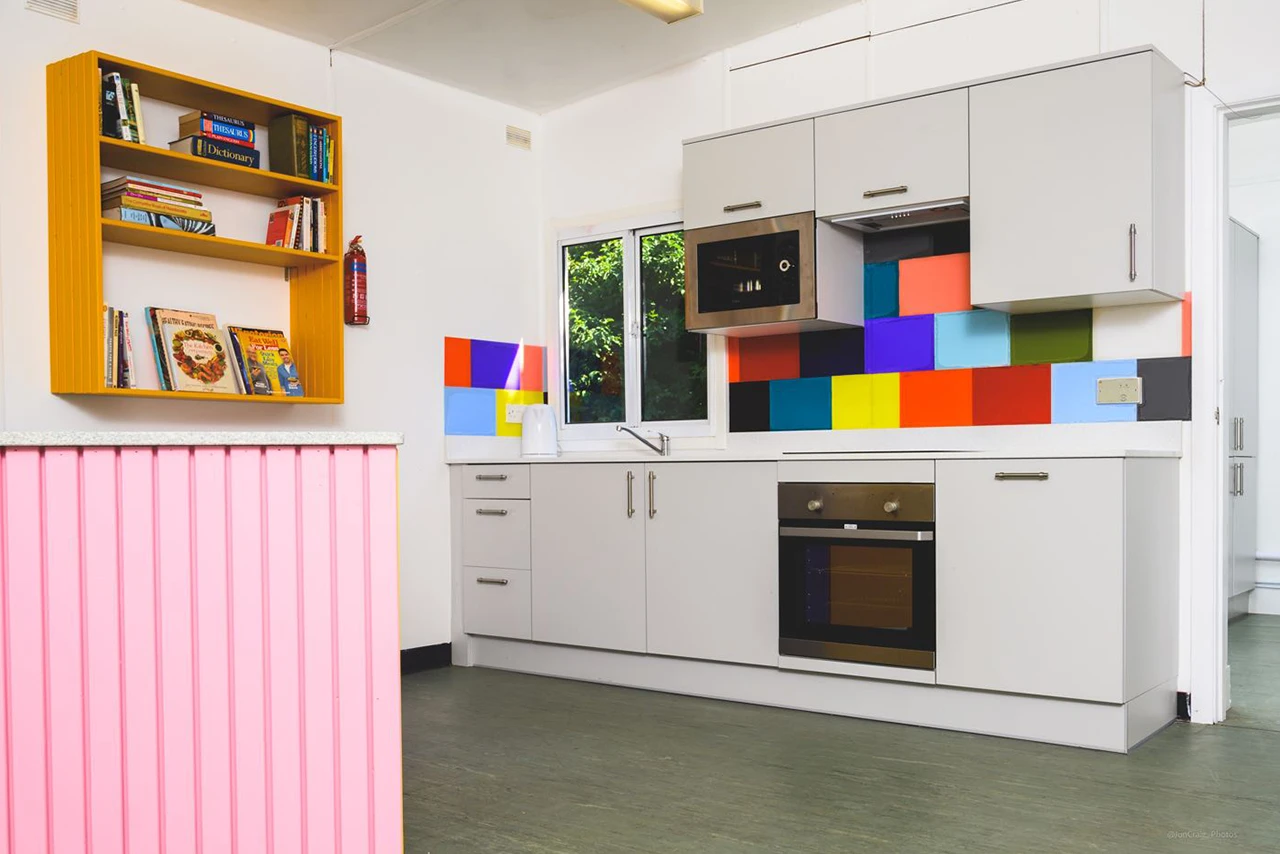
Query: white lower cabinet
(496, 602)
(711, 546)
(588, 555)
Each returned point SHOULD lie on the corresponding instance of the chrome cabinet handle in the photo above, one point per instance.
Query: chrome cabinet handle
(744, 206)
(631, 501)
(485, 511)
(499, 581)
(1133, 251)
(1022, 475)
(1241, 487)
(491, 477)
(1242, 439)
(1235, 434)
(1235, 480)
(653, 508)
(885, 191)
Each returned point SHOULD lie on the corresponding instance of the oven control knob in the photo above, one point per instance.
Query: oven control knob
(815, 505)
(891, 506)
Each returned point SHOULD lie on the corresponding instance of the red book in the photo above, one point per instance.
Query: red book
(278, 226)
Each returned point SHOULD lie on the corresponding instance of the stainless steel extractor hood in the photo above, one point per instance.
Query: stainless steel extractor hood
(907, 216)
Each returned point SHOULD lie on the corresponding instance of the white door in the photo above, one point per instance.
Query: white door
(1031, 577)
(1244, 525)
(1243, 360)
(893, 154)
(1060, 169)
(588, 555)
(749, 175)
(711, 544)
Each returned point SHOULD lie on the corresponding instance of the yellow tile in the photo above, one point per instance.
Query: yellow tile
(864, 401)
(506, 397)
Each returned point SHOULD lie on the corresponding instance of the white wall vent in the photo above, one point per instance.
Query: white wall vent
(519, 137)
(66, 10)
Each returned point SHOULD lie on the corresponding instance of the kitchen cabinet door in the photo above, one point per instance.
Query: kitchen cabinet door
(588, 555)
(749, 175)
(711, 541)
(1061, 187)
(1243, 525)
(1031, 585)
(900, 153)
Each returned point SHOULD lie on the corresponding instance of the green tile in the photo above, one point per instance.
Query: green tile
(1059, 336)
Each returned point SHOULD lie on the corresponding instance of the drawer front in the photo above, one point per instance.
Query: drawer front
(497, 602)
(495, 481)
(495, 532)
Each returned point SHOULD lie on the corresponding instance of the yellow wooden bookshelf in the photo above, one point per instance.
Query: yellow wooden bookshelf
(77, 229)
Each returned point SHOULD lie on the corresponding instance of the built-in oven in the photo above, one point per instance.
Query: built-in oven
(857, 572)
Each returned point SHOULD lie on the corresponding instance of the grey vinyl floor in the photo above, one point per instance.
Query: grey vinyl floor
(504, 762)
(1253, 649)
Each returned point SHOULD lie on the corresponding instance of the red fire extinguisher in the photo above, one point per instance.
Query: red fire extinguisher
(355, 277)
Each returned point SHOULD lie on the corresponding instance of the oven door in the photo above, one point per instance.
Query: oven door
(750, 272)
(865, 594)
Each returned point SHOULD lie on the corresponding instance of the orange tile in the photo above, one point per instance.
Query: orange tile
(732, 348)
(773, 357)
(457, 362)
(532, 368)
(934, 285)
(1186, 324)
(937, 398)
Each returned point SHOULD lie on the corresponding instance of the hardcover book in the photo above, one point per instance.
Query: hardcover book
(265, 355)
(160, 220)
(116, 82)
(278, 224)
(218, 130)
(196, 352)
(110, 110)
(212, 149)
(128, 182)
(288, 144)
(145, 204)
(196, 115)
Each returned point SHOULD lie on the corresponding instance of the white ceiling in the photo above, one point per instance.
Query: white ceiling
(536, 54)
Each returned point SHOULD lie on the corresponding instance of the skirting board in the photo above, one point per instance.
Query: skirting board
(425, 658)
(1264, 600)
(1099, 726)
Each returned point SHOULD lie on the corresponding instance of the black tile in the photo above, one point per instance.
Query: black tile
(832, 352)
(1166, 389)
(749, 407)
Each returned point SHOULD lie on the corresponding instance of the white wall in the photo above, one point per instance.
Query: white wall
(449, 213)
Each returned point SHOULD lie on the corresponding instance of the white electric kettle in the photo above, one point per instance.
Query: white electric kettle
(538, 432)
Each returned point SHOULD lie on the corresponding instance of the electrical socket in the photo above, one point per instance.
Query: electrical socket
(515, 413)
(1120, 390)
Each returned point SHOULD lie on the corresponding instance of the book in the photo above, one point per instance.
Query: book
(128, 351)
(278, 226)
(160, 220)
(143, 204)
(212, 149)
(197, 115)
(127, 107)
(313, 156)
(135, 108)
(266, 357)
(152, 195)
(128, 181)
(157, 349)
(109, 110)
(253, 376)
(116, 82)
(108, 354)
(287, 145)
(205, 126)
(312, 225)
(195, 352)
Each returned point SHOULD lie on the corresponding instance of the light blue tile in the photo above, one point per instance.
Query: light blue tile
(470, 412)
(800, 404)
(971, 339)
(1075, 392)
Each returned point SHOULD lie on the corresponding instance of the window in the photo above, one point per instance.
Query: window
(627, 357)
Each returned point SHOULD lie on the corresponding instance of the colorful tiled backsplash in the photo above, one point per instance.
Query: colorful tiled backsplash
(927, 358)
(482, 378)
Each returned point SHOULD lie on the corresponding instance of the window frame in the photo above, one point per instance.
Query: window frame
(707, 432)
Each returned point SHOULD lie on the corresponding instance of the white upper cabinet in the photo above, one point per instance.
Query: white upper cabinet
(1076, 184)
(900, 153)
(750, 175)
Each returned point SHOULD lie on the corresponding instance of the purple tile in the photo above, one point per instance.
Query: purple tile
(896, 344)
(494, 365)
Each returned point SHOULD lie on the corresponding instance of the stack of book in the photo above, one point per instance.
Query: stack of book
(217, 137)
(299, 222)
(194, 354)
(120, 109)
(300, 149)
(149, 202)
(117, 344)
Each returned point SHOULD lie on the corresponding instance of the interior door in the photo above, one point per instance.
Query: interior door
(1244, 526)
(1243, 335)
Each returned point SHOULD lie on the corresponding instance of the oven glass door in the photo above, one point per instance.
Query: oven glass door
(861, 595)
(756, 271)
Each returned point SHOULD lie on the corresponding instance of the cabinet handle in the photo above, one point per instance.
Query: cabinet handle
(653, 508)
(499, 581)
(744, 206)
(1235, 434)
(1235, 480)
(1242, 436)
(1133, 251)
(1022, 475)
(885, 191)
(484, 511)
(1241, 467)
(631, 500)
(491, 477)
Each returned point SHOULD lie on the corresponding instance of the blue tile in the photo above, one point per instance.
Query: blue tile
(831, 352)
(971, 339)
(1075, 392)
(880, 290)
(800, 404)
(898, 344)
(470, 412)
(495, 364)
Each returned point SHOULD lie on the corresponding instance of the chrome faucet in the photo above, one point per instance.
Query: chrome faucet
(664, 450)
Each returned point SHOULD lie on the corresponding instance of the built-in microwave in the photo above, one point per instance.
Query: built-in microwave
(771, 276)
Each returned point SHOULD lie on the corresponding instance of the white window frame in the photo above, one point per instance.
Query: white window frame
(704, 433)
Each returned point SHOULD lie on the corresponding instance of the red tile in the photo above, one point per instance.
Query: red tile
(457, 362)
(773, 357)
(735, 373)
(1022, 394)
(937, 398)
(532, 368)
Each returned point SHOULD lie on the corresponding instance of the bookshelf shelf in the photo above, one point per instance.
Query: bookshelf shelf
(134, 158)
(77, 230)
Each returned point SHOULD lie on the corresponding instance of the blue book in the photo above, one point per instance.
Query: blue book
(159, 220)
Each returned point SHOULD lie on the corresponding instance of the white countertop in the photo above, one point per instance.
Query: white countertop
(793, 456)
(273, 438)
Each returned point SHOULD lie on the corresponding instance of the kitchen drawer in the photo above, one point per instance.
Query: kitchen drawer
(495, 481)
(495, 532)
(497, 602)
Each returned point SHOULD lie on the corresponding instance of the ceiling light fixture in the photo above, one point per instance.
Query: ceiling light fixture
(668, 10)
